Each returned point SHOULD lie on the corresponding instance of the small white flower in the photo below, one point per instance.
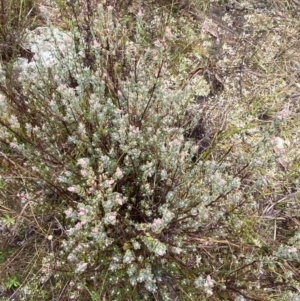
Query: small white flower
(140, 14)
(283, 114)
(161, 252)
(68, 212)
(83, 162)
(81, 267)
(292, 250)
(119, 200)
(119, 173)
(82, 211)
(71, 189)
(128, 257)
(111, 218)
(83, 172)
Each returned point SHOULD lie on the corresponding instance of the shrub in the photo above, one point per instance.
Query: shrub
(104, 131)
(103, 153)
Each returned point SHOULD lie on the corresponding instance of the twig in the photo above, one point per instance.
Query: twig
(289, 196)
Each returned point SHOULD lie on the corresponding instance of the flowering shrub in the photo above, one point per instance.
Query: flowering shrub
(103, 139)
(109, 140)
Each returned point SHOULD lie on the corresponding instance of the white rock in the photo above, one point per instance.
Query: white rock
(48, 45)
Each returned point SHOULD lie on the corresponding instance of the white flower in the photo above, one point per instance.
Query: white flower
(128, 257)
(82, 211)
(119, 173)
(161, 252)
(81, 267)
(111, 218)
(13, 120)
(283, 114)
(140, 14)
(71, 189)
(292, 250)
(68, 212)
(83, 162)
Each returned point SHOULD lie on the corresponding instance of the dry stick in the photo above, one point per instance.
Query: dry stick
(152, 90)
(289, 196)
(30, 172)
(268, 209)
(241, 268)
(243, 294)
